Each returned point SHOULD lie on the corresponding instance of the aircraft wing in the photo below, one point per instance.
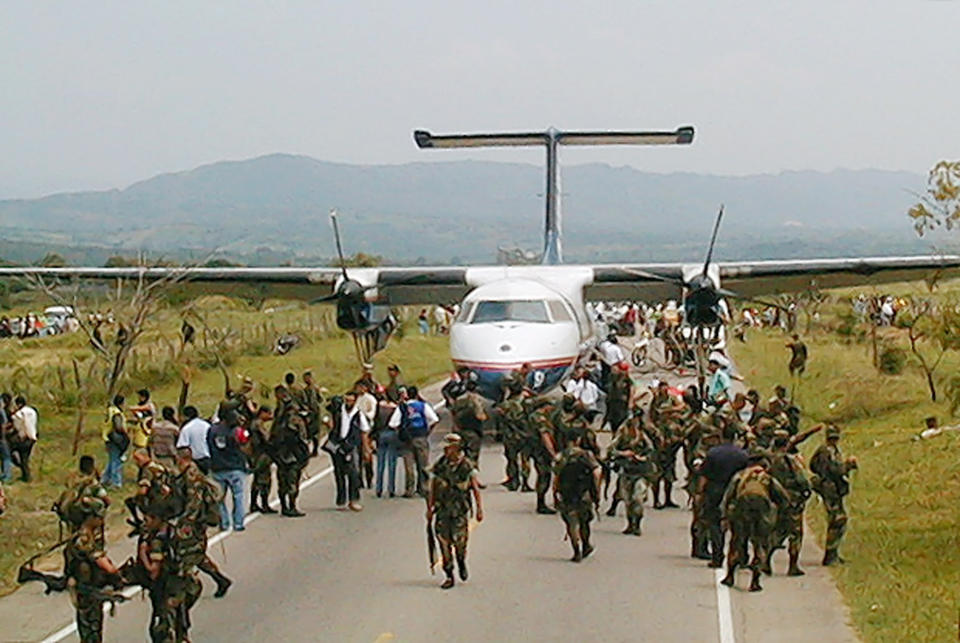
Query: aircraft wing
(757, 278)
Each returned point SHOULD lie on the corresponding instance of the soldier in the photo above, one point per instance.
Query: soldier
(830, 482)
(576, 491)
(798, 356)
(87, 568)
(392, 389)
(750, 506)
(469, 416)
(787, 467)
(632, 452)
(453, 483)
(261, 462)
(570, 425)
(201, 511)
(520, 376)
(619, 392)
(719, 465)
(241, 402)
(155, 493)
(288, 443)
(540, 444)
(511, 417)
(700, 525)
(665, 413)
(313, 404)
(173, 587)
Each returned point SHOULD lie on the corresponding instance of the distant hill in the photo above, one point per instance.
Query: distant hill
(275, 206)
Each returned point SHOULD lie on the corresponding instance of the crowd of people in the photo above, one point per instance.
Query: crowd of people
(744, 476)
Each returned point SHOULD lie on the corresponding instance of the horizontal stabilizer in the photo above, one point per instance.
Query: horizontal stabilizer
(424, 139)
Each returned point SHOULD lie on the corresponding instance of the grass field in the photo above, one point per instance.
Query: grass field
(31, 366)
(902, 578)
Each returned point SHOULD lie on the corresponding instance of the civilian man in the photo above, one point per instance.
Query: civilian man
(25, 435)
(193, 434)
(228, 466)
(414, 418)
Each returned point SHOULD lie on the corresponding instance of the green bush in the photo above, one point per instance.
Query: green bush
(892, 360)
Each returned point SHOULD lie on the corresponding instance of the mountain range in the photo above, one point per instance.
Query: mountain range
(274, 209)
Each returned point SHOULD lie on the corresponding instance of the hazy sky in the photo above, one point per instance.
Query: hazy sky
(101, 94)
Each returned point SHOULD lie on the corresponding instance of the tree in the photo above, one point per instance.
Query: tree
(53, 260)
(131, 309)
(933, 329)
(940, 205)
(359, 260)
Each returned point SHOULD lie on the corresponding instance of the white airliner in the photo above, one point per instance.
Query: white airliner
(513, 315)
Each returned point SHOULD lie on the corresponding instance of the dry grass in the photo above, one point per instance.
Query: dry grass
(903, 541)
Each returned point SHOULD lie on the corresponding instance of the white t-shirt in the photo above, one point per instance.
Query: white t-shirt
(367, 404)
(194, 435)
(584, 390)
(346, 417)
(611, 353)
(25, 422)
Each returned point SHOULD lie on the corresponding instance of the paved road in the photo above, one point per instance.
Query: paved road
(363, 577)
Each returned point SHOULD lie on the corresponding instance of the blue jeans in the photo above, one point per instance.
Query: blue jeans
(387, 447)
(6, 462)
(113, 474)
(235, 481)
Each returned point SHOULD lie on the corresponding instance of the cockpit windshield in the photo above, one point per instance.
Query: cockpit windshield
(516, 310)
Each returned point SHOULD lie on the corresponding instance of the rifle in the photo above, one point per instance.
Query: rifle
(53, 582)
(431, 547)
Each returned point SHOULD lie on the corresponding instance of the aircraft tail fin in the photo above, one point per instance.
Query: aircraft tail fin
(551, 139)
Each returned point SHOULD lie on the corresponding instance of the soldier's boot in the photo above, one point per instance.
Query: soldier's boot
(542, 507)
(766, 567)
(254, 507)
(447, 584)
(830, 557)
(462, 566)
(585, 537)
(668, 501)
(577, 555)
(223, 584)
(612, 511)
(636, 525)
(794, 569)
(731, 576)
(292, 510)
(265, 507)
(656, 496)
(755, 580)
(511, 484)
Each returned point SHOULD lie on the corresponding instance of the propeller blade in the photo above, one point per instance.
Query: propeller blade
(713, 240)
(336, 236)
(323, 300)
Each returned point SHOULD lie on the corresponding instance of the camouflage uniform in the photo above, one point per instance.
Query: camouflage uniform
(576, 494)
(451, 484)
(288, 442)
(669, 439)
(830, 482)
(538, 425)
(511, 418)
(261, 465)
(618, 399)
(467, 412)
(174, 590)
(750, 505)
(787, 468)
(632, 453)
(313, 403)
(84, 516)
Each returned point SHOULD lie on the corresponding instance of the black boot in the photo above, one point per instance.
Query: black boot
(223, 584)
(830, 557)
(525, 486)
(292, 511)
(265, 507)
(254, 507)
(669, 501)
(755, 581)
(731, 576)
(612, 511)
(462, 566)
(577, 556)
(794, 569)
(447, 584)
(542, 507)
(587, 548)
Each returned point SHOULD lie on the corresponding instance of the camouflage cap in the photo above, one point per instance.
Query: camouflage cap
(452, 439)
(832, 432)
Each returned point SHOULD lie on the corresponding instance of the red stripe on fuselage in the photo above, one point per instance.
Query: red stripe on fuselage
(510, 366)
